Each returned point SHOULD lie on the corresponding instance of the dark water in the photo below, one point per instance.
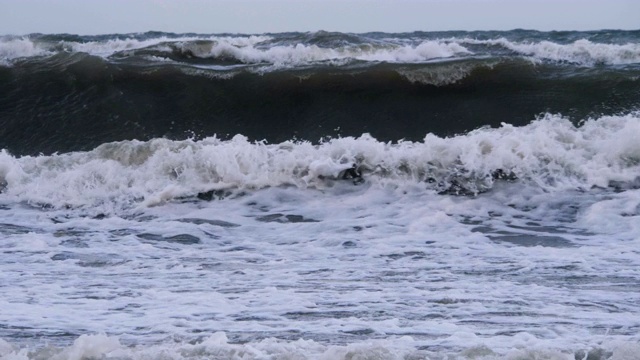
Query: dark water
(70, 92)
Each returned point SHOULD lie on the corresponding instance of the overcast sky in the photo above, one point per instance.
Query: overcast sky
(256, 16)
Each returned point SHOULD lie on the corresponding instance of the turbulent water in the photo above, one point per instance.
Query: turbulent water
(451, 195)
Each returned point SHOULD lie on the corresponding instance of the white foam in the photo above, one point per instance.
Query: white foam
(611, 215)
(252, 49)
(217, 346)
(581, 51)
(383, 270)
(5, 348)
(301, 54)
(443, 75)
(550, 152)
(246, 49)
(112, 46)
(16, 48)
(89, 346)
(256, 49)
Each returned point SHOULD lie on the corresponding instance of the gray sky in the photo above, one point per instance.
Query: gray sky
(257, 16)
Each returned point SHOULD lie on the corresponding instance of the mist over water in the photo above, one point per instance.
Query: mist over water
(454, 195)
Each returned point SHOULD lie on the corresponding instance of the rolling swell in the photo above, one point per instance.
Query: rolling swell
(78, 97)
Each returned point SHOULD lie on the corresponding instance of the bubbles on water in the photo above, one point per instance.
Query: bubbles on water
(550, 153)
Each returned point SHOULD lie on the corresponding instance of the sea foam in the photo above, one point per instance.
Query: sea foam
(14, 48)
(218, 346)
(551, 153)
(583, 52)
(302, 51)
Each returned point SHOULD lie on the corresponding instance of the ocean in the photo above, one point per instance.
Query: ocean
(322, 195)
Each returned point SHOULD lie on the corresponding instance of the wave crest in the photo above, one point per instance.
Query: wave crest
(550, 153)
(583, 51)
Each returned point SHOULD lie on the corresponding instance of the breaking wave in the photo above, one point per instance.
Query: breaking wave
(550, 153)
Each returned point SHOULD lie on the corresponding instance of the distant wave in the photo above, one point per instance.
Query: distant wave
(218, 346)
(76, 101)
(249, 51)
(303, 49)
(66, 92)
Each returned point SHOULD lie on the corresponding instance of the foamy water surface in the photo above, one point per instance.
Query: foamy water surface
(236, 250)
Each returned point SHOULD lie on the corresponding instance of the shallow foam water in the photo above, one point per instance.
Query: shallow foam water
(349, 271)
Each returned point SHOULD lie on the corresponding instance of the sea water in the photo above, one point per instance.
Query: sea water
(320, 196)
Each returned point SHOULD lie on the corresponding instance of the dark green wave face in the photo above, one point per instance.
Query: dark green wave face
(61, 93)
